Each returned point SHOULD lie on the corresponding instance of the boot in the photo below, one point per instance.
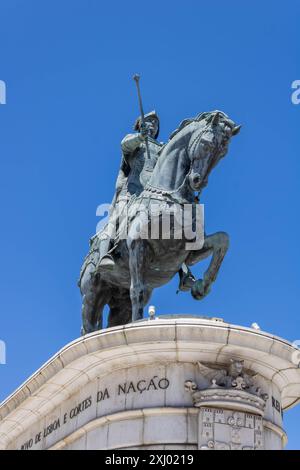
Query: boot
(106, 262)
(186, 279)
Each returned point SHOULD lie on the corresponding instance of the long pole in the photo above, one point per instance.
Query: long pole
(136, 78)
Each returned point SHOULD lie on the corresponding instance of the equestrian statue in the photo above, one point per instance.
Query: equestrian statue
(149, 238)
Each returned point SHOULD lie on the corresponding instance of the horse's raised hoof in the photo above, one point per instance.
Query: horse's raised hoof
(200, 290)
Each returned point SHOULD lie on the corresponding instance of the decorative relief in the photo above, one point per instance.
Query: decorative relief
(229, 430)
(233, 377)
(231, 408)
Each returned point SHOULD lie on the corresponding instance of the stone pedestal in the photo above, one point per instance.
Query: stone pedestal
(167, 383)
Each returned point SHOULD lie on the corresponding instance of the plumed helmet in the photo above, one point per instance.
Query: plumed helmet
(138, 122)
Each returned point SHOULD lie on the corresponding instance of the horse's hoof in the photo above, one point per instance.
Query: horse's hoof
(200, 290)
(187, 281)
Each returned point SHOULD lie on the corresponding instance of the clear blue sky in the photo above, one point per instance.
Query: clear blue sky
(68, 66)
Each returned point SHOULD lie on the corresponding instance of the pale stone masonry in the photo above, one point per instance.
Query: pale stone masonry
(168, 383)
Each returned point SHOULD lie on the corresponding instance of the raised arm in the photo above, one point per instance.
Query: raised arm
(131, 142)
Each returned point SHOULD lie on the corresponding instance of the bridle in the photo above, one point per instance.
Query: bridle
(189, 152)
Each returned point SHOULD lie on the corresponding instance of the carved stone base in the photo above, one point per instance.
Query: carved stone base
(173, 383)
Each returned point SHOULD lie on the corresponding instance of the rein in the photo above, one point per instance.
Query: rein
(169, 193)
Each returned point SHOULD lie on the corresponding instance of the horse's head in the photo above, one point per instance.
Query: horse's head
(192, 151)
(208, 144)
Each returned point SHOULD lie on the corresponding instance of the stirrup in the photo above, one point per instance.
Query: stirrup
(106, 262)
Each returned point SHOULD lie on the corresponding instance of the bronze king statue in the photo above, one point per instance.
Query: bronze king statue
(155, 227)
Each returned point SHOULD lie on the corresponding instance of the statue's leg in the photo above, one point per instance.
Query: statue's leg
(117, 219)
(137, 266)
(93, 300)
(217, 246)
(120, 312)
(106, 261)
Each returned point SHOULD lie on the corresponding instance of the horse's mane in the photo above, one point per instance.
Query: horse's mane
(208, 116)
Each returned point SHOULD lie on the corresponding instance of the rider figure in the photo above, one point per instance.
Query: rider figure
(135, 171)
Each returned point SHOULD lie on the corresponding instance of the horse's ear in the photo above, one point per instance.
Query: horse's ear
(183, 123)
(215, 119)
(236, 130)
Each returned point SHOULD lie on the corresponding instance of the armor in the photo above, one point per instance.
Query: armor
(137, 165)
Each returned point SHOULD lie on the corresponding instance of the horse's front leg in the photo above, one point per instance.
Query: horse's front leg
(137, 265)
(217, 246)
(89, 287)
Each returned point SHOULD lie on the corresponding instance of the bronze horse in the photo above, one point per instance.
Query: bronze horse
(144, 263)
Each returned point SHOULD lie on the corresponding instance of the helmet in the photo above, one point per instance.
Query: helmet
(138, 122)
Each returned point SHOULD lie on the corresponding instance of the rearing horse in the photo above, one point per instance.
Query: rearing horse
(144, 263)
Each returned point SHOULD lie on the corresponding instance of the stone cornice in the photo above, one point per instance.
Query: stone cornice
(179, 339)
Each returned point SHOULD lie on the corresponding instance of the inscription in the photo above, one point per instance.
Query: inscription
(140, 386)
(277, 406)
